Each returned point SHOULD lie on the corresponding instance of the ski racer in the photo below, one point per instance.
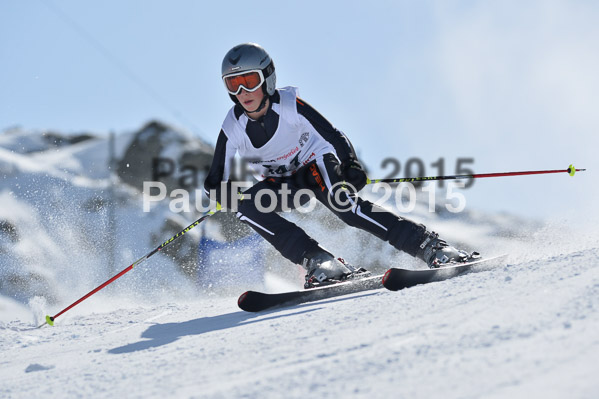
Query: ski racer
(292, 147)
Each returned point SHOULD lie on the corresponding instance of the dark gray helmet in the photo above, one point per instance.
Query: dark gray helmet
(248, 57)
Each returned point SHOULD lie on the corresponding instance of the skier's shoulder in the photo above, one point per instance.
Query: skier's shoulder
(293, 90)
(231, 124)
(293, 95)
(288, 93)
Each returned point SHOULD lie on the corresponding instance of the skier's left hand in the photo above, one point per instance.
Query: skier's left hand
(353, 173)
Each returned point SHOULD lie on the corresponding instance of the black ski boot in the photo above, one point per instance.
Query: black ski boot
(437, 253)
(323, 269)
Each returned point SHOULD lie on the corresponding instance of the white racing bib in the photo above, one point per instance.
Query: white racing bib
(293, 145)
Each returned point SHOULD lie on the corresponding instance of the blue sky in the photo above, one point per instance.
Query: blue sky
(512, 84)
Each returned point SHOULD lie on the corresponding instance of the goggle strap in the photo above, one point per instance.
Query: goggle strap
(270, 68)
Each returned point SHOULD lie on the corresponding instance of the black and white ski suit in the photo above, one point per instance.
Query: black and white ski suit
(291, 148)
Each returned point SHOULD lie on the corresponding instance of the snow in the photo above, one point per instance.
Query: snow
(527, 329)
(524, 329)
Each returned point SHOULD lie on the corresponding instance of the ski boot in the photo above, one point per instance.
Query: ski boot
(437, 253)
(323, 269)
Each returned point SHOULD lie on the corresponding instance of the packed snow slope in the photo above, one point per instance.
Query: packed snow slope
(525, 329)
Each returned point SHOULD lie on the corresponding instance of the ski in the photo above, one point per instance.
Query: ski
(254, 301)
(397, 279)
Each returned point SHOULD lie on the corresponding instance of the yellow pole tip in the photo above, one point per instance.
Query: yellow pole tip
(571, 170)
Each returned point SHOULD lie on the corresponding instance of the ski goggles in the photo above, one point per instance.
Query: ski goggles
(248, 80)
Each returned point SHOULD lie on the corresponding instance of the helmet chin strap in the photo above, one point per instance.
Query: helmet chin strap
(262, 104)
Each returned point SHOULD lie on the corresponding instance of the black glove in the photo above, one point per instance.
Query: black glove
(352, 172)
(228, 196)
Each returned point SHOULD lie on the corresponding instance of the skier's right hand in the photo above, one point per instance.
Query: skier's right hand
(353, 173)
(228, 196)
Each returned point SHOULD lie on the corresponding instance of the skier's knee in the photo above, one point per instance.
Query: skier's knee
(349, 217)
(406, 235)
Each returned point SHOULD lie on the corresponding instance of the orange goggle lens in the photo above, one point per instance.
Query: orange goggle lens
(250, 81)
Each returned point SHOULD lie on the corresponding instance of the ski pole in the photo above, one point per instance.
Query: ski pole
(50, 319)
(571, 171)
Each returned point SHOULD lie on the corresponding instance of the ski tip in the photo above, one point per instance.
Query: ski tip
(251, 301)
(387, 281)
(241, 299)
(386, 275)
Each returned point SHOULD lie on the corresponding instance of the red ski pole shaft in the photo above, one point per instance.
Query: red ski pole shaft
(571, 170)
(50, 319)
(92, 292)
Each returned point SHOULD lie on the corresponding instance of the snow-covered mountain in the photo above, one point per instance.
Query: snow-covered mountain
(70, 218)
(70, 215)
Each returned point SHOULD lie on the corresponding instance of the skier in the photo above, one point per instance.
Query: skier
(292, 147)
